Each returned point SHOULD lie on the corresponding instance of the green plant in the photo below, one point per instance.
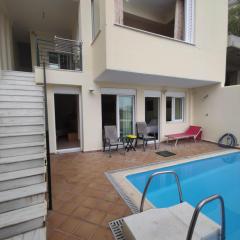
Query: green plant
(234, 20)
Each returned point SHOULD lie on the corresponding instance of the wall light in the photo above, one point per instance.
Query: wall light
(94, 91)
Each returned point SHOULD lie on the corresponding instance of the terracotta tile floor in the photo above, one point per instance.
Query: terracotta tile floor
(84, 201)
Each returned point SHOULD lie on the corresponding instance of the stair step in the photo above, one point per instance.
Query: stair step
(14, 138)
(23, 215)
(21, 87)
(21, 145)
(22, 182)
(12, 150)
(22, 192)
(13, 92)
(21, 124)
(20, 134)
(22, 113)
(16, 105)
(24, 99)
(23, 158)
(21, 203)
(7, 81)
(36, 234)
(21, 129)
(12, 167)
(22, 121)
(18, 78)
(22, 174)
(18, 74)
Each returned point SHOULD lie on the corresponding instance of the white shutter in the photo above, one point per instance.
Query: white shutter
(118, 11)
(189, 20)
(179, 20)
(150, 93)
(175, 94)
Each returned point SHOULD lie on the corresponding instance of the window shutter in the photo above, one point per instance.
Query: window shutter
(179, 20)
(118, 11)
(189, 21)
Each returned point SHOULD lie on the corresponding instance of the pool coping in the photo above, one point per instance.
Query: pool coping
(131, 195)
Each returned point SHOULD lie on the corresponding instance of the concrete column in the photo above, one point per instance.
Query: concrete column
(3, 45)
(140, 106)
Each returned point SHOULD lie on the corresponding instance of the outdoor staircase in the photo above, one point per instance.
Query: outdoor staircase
(22, 157)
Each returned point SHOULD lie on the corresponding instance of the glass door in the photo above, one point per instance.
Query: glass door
(152, 115)
(125, 115)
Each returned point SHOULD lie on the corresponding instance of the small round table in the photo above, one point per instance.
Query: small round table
(130, 140)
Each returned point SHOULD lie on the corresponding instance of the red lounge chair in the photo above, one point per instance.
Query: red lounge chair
(194, 132)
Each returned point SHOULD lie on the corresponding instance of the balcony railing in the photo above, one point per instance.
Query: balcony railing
(59, 53)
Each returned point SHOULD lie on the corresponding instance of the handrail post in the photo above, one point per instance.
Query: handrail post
(197, 211)
(150, 180)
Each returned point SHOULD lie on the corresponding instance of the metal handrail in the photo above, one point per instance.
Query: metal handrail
(149, 181)
(197, 211)
(59, 53)
(66, 39)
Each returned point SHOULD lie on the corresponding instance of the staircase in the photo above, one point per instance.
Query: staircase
(22, 157)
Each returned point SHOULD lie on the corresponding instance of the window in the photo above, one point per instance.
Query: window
(95, 18)
(174, 109)
(172, 19)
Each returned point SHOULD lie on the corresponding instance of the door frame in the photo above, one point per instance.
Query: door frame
(154, 94)
(122, 92)
(70, 91)
(118, 116)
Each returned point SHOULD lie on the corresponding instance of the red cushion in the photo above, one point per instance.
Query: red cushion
(191, 131)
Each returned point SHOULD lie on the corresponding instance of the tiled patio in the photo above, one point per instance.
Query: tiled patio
(85, 201)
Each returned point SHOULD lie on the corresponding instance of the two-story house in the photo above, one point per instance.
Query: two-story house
(110, 62)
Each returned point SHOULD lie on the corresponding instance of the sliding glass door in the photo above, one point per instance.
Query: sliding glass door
(152, 113)
(118, 110)
(125, 110)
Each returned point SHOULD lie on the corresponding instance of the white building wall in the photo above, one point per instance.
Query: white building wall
(217, 110)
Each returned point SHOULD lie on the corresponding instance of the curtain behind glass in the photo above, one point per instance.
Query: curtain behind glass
(126, 115)
(178, 108)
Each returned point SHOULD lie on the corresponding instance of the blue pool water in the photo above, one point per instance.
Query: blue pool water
(199, 179)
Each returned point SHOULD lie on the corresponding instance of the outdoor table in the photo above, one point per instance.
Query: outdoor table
(130, 140)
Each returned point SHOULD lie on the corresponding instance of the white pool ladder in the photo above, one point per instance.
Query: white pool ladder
(197, 209)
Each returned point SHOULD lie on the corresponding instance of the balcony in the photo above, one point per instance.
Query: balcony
(59, 53)
(143, 56)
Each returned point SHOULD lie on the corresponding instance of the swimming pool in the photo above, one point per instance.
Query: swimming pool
(199, 179)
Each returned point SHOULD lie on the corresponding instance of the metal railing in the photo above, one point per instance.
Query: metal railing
(157, 174)
(59, 53)
(197, 211)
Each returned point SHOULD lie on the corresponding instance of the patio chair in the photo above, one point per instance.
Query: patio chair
(143, 132)
(194, 132)
(111, 139)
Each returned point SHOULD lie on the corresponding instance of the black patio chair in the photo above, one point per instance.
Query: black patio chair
(111, 139)
(143, 132)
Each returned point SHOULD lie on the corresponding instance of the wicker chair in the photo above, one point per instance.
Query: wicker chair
(143, 134)
(111, 139)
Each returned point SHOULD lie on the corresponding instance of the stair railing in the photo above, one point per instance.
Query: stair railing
(150, 180)
(197, 211)
(59, 53)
